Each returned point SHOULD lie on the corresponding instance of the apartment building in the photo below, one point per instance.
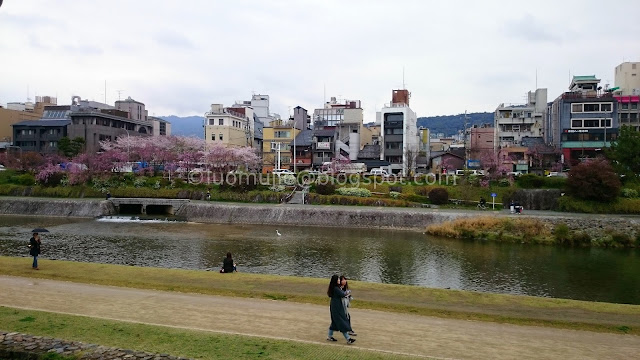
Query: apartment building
(514, 122)
(345, 119)
(583, 120)
(277, 146)
(399, 132)
(629, 111)
(135, 109)
(627, 79)
(230, 126)
(17, 112)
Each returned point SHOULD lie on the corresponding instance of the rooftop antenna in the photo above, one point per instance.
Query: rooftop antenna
(119, 94)
(536, 78)
(105, 91)
(324, 93)
(403, 87)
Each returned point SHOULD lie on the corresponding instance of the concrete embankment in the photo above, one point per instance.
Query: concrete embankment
(228, 213)
(315, 215)
(55, 207)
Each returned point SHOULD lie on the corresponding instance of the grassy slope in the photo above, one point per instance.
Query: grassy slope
(522, 310)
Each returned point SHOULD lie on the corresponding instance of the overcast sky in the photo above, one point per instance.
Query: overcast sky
(178, 57)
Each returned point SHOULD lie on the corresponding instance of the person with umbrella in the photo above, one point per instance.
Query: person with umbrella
(34, 246)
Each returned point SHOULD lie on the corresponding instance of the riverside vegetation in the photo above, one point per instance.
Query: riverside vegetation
(528, 231)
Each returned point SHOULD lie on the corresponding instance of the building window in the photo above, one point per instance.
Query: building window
(605, 123)
(634, 106)
(213, 137)
(634, 116)
(606, 107)
(282, 134)
(221, 122)
(212, 121)
(591, 107)
(220, 138)
(591, 123)
(576, 108)
(633, 66)
(625, 106)
(624, 117)
(576, 123)
(53, 144)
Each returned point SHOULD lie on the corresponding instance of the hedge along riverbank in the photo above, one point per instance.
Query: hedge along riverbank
(571, 231)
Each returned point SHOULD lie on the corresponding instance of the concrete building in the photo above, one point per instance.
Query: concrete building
(346, 118)
(19, 112)
(301, 119)
(277, 146)
(627, 79)
(629, 111)
(231, 126)
(583, 120)
(39, 135)
(514, 122)
(399, 131)
(161, 127)
(481, 140)
(135, 109)
(303, 147)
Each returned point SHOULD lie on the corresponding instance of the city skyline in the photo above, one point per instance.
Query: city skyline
(180, 58)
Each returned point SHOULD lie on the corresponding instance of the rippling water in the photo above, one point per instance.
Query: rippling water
(396, 257)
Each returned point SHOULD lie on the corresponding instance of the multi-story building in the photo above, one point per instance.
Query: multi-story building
(583, 120)
(89, 120)
(627, 79)
(231, 126)
(161, 127)
(481, 140)
(399, 131)
(303, 147)
(629, 111)
(18, 112)
(512, 123)
(277, 146)
(135, 109)
(346, 118)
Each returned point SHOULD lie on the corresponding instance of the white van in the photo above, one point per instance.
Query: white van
(470, 172)
(379, 172)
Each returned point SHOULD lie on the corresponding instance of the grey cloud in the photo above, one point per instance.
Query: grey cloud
(173, 39)
(530, 29)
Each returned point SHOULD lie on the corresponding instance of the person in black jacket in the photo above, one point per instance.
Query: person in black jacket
(34, 249)
(228, 266)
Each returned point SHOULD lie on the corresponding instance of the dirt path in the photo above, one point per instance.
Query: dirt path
(399, 333)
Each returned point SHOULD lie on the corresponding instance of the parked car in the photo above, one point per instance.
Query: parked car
(279, 172)
(514, 173)
(470, 172)
(2, 168)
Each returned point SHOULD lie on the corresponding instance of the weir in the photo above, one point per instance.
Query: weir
(147, 206)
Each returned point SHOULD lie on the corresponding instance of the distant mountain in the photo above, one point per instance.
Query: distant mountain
(451, 124)
(447, 124)
(186, 126)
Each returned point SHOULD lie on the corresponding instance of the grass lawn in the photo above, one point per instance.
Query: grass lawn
(513, 309)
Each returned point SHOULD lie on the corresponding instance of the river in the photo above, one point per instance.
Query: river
(384, 256)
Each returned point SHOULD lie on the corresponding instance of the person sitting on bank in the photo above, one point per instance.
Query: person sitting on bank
(228, 266)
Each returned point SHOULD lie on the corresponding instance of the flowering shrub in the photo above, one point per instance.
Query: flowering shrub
(350, 191)
(629, 193)
(156, 185)
(277, 188)
(287, 180)
(394, 194)
(140, 182)
(50, 175)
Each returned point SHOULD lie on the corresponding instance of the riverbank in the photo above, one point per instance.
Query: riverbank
(511, 309)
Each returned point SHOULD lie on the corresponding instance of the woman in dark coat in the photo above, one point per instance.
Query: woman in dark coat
(339, 320)
(34, 249)
(228, 266)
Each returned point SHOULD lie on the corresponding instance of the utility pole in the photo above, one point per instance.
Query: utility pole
(466, 148)
(293, 131)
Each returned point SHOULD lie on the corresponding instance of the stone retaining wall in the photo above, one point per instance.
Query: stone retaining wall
(56, 207)
(16, 346)
(596, 226)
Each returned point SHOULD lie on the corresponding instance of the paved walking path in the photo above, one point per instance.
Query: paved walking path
(400, 333)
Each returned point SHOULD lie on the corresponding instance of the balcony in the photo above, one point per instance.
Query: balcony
(587, 95)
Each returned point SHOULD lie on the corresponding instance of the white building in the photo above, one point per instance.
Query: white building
(627, 78)
(514, 122)
(399, 132)
(347, 118)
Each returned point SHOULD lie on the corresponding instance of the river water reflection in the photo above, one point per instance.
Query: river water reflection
(395, 257)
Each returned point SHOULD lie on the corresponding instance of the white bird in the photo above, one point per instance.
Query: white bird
(278, 232)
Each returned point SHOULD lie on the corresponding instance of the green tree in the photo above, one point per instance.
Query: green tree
(625, 151)
(71, 148)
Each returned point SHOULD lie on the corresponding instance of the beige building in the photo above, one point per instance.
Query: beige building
(627, 78)
(278, 139)
(21, 112)
(231, 126)
(135, 109)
